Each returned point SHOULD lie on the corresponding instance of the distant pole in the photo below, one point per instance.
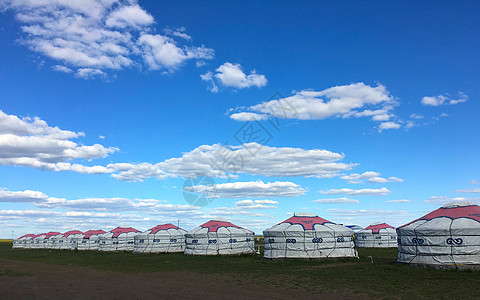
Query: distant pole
(12, 234)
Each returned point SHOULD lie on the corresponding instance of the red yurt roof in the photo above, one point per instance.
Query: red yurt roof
(157, 228)
(27, 235)
(51, 233)
(213, 225)
(119, 230)
(71, 232)
(307, 221)
(376, 227)
(89, 233)
(453, 211)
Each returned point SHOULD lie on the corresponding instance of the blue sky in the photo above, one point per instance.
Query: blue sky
(109, 107)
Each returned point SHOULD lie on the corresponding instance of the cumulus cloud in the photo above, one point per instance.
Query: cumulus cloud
(445, 199)
(97, 36)
(365, 212)
(21, 196)
(370, 177)
(443, 100)
(335, 201)
(399, 201)
(470, 190)
(346, 101)
(33, 143)
(178, 32)
(161, 52)
(251, 189)
(362, 192)
(228, 161)
(232, 75)
(388, 125)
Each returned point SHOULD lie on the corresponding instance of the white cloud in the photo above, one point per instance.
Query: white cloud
(228, 161)
(335, 201)
(21, 196)
(370, 176)
(365, 212)
(445, 199)
(161, 52)
(232, 75)
(178, 32)
(415, 116)
(133, 16)
(248, 116)
(474, 181)
(89, 73)
(388, 125)
(99, 36)
(470, 190)
(33, 143)
(353, 100)
(62, 69)
(399, 201)
(443, 100)
(362, 192)
(251, 189)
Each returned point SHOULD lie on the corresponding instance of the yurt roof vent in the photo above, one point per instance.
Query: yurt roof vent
(305, 214)
(457, 204)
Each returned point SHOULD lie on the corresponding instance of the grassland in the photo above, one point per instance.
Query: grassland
(384, 278)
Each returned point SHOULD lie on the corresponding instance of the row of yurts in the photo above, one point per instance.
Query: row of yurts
(448, 236)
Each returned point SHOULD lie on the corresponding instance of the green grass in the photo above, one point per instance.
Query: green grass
(384, 278)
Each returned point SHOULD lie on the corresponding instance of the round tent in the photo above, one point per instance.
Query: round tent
(219, 238)
(161, 238)
(22, 241)
(448, 237)
(90, 240)
(377, 235)
(65, 240)
(118, 239)
(49, 241)
(307, 236)
(38, 240)
(355, 228)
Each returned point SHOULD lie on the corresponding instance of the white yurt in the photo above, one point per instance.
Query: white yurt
(118, 239)
(29, 242)
(37, 241)
(90, 240)
(49, 240)
(65, 241)
(355, 228)
(448, 237)
(307, 236)
(377, 235)
(219, 238)
(161, 238)
(21, 242)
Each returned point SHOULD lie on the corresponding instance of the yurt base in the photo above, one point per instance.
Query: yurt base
(310, 259)
(443, 267)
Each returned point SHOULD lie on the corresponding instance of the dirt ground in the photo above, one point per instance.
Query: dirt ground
(31, 280)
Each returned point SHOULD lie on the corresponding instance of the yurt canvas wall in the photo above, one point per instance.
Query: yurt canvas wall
(118, 239)
(448, 237)
(378, 235)
(90, 240)
(219, 238)
(161, 238)
(307, 236)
